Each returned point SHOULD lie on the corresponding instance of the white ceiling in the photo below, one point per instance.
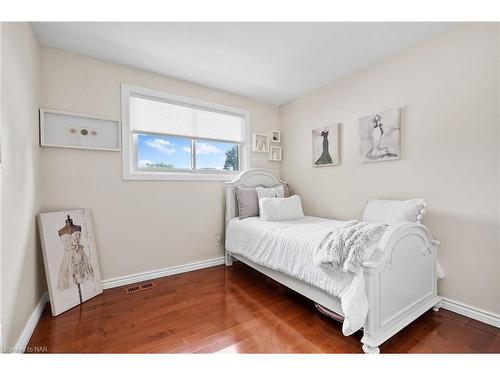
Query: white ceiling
(272, 62)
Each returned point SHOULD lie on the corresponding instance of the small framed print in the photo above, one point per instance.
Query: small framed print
(380, 136)
(260, 142)
(276, 136)
(275, 153)
(326, 146)
(73, 130)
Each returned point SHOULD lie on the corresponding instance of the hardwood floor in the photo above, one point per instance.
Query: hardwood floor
(235, 309)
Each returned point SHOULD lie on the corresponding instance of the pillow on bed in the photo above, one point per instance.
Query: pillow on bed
(281, 209)
(389, 212)
(247, 202)
(272, 192)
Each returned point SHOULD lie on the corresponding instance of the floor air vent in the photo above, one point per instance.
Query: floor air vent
(139, 288)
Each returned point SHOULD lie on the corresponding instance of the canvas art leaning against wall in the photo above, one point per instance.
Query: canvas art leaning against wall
(70, 257)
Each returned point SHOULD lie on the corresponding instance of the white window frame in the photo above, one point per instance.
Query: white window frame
(129, 146)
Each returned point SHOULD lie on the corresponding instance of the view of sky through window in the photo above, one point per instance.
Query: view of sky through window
(216, 155)
(163, 152)
(168, 152)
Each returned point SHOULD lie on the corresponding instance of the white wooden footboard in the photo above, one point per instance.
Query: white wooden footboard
(401, 282)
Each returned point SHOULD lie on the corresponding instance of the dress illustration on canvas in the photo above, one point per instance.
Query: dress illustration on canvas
(325, 157)
(70, 258)
(378, 151)
(326, 146)
(380, 136)
(75, 268)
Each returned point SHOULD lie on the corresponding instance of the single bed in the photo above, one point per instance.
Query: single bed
(397, 285)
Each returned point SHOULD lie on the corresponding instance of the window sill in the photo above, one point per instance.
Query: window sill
(178, 176)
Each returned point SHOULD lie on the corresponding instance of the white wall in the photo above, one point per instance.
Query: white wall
(140, 225)
(448, 89)
(22, 276)
(1, 338)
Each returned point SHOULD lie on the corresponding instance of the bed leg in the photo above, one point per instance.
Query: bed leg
(371, 349)
(229, 259)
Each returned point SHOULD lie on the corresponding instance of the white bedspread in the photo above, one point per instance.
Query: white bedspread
(291, 247)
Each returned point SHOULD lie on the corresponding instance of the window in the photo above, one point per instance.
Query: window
(170, 137)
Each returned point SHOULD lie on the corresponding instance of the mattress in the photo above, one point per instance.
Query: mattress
(291, 247)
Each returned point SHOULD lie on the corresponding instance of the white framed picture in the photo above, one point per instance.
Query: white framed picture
(260, 142)
(276, 136)
(70, 258)
(74, 130)
(326, 146)
(275, 153)
(379, 136)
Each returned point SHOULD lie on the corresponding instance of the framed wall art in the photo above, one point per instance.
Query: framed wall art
(276, 136)
(326, 146)
(260, 142)
(72, 130)
(275, 153)
(70, 258)
(379, 136)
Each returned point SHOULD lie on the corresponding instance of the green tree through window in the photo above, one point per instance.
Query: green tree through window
(160, 165)
(231, 163)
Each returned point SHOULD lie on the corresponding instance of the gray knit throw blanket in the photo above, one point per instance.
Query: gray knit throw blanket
(344, 248)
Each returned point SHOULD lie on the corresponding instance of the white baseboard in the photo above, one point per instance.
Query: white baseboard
(149, 275)
(30, 326)
(471, 312)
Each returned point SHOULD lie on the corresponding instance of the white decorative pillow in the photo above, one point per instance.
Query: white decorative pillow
(281, 209)
(272, 192)
(389, 212)
(286, 190)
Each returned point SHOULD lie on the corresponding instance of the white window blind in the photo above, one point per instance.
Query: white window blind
(154, 116)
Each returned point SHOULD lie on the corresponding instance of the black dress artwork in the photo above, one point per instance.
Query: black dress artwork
(325, 157)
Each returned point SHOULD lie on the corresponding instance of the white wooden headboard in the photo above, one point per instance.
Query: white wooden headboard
(250, 178)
